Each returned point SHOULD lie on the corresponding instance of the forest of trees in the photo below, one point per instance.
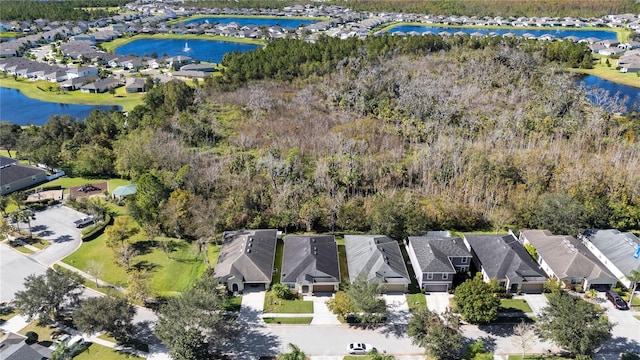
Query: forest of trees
(463, 138)
(576, 8)
(72, 10)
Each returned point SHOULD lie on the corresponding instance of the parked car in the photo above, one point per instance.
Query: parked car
(617, 301)
(80, 223)
(359, 348)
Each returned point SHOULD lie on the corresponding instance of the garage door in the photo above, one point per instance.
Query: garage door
(532, 288)
(601, 287)
(435, 288)
(391, 288)
(323, 288)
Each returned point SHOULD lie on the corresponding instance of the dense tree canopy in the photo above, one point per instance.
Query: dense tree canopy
(74, 10)
(45, 295)
(441, 337)
(476, 301)
(113, 315)
(573, 323)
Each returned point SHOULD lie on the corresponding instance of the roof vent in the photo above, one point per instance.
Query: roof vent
(313, 240)
(248, 250)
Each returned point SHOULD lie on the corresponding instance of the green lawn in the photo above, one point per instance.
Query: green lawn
(637, 317)
(288, 320)
(512, 305)
(601, 70)
(344, 268)
(278, 261)
(234, 303)
(636, 299)
(45, 332)
(96, 351)
(39, 90)
(416, 301)
(297, 306)
(7, 314)
(22, 249)
(169, 273)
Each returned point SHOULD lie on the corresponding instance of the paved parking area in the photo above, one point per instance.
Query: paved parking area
(438, 302)
(14, 268)
(56, 225)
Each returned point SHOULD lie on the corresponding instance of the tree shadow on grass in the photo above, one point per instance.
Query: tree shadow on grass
(144, 247)
(145, 265)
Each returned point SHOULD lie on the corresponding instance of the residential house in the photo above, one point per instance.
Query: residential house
(100, 85)
(310, 264)
(135, 86)
(378, 259)
(15, 176)
(73, 73)
(76, 83)
(436, 260)
(565, 258)
(246, 259)
(14, 347)
(503, 258)
(616, 250)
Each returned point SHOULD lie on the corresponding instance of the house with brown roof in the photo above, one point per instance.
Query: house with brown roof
(246, 259)
(310, 264)
(565, 258)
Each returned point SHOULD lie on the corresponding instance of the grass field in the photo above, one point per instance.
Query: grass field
(112, 45)
(7, 314)
(45, 332)
(511, 305)
(96, 351)
(288, 320)
(275, 305)
(33, 89)
(601, 70)
(169, 274)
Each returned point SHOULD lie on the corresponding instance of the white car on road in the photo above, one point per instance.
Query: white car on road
(359, 348)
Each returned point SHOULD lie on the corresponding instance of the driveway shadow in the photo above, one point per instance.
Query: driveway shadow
(397, 331)
(615, 344)
(252, 343)
(143, 331)
(499, 330)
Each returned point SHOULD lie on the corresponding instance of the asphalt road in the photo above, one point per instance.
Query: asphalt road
(14, 268)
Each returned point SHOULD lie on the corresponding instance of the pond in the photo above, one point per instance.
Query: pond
(19, 109)
(624, 90)
(558, 33)
(203, 50)
(255, 21)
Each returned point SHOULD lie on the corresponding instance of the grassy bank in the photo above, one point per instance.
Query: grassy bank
(39, 90)
(622, 34)
(194, 17)
(601, 70)
(8, 34)
(112, 45)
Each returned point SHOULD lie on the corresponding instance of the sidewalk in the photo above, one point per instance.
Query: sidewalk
(89, 277)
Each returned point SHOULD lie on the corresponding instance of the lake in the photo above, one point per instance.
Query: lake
(203, 50)
(624, 90)
(558, 33)
(19, 109)
(242, 21)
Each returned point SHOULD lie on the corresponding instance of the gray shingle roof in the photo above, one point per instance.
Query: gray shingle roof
(14, 172)
(617, 246)
(309, 259)
(566, 256)
(503, 257)
(247, 255)
(377, 257)
(433, 252)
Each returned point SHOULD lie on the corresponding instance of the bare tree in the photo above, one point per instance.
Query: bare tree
(95, 269)
(524, 337)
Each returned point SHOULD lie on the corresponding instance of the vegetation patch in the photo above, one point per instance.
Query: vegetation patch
(288, 320)
(45, 332)
(416, 302)
(97, 351)
(514, 305)
(280, 306)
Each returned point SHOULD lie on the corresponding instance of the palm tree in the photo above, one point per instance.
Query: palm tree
(295, 354)
(634, 277)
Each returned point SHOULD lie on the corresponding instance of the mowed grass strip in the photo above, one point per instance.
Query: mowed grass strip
(288, 320)
(96, 351)
(513, 305)
(416, 302)
(279, 306)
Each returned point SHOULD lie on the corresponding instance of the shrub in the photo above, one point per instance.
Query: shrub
(281, 291)
(578, 288)
(98, 229)
(32, 337)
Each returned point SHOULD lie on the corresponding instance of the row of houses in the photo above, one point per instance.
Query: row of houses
(599, 260)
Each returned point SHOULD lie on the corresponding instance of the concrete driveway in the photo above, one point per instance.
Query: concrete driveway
(397, 309)
(252, 306)
(536, 302)
(625, 333)
(321, 313)
(438, 301)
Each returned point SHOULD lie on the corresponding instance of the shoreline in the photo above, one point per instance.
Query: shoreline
(205, 16)
(622, 34)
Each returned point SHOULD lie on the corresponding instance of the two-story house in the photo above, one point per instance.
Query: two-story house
(435, 260)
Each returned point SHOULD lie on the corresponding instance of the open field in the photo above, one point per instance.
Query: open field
(34, 90)
(112, 45)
